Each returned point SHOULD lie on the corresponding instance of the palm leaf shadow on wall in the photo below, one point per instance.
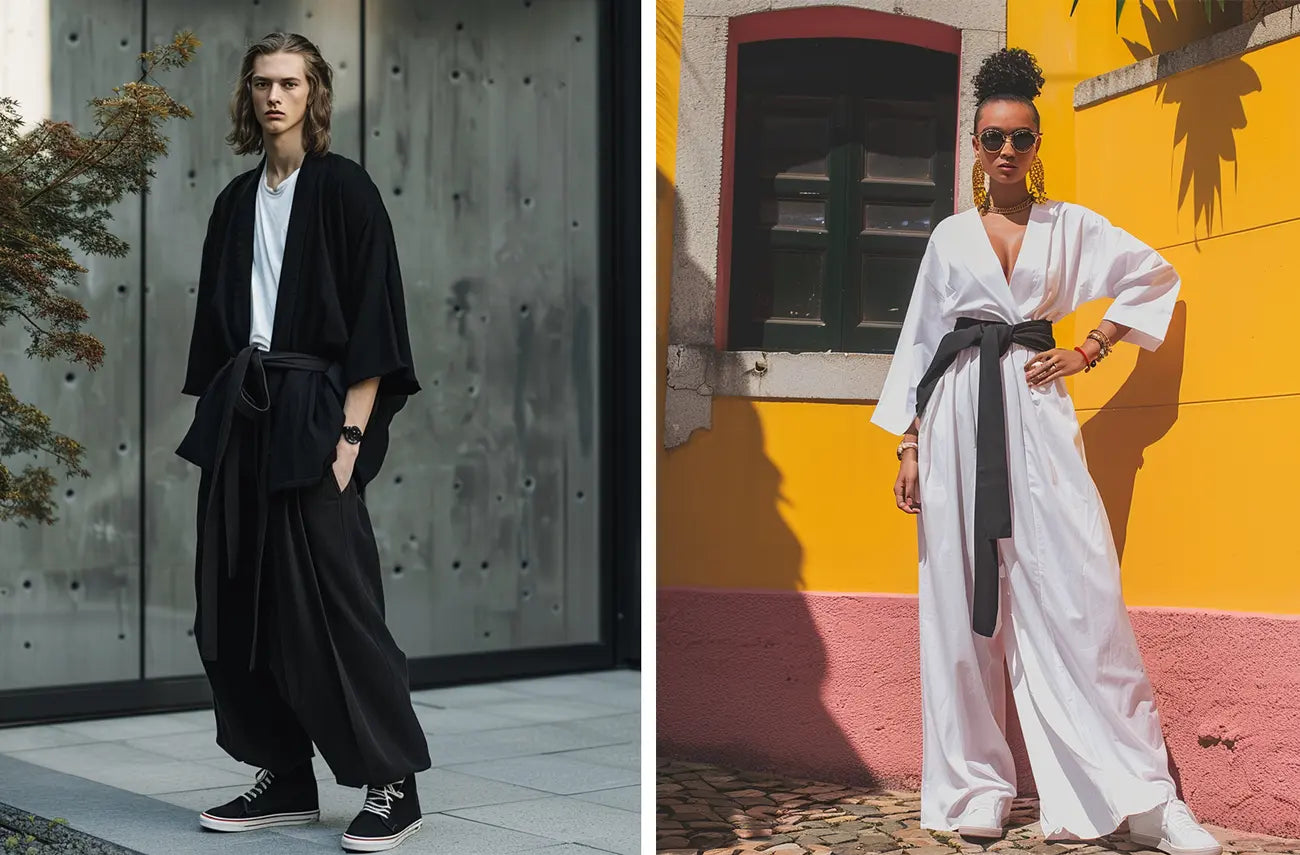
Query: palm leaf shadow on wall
(1209, 112)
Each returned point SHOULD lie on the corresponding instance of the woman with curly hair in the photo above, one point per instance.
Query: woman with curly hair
(1017, 562)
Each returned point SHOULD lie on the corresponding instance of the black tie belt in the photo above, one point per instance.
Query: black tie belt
(246, 394)
(992, 490)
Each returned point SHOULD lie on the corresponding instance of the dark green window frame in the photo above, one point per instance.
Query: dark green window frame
(827, 131)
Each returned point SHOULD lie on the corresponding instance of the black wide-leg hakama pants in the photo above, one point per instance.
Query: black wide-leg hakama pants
(327, 670)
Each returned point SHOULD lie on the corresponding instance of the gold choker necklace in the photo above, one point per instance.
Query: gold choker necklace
(1013, 209)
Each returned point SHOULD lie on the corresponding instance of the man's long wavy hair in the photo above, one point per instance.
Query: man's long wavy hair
(246, 133)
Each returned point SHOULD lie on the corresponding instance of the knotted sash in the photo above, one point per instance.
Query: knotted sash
(248, 395)
(992, 488)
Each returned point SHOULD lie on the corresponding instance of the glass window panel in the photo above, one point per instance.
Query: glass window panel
(795, 285)
(886, 288)
(795, 145)
(907, 219)
(793, 215)
(899, 149)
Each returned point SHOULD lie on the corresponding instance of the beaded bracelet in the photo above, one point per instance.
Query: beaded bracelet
(1091, 363)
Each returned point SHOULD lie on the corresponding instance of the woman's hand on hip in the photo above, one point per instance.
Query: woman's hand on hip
(906, 494)
(1051, 365)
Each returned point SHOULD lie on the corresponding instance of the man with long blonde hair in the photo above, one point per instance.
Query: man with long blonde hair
(300, 357)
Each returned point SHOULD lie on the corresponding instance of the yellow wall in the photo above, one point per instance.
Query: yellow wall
(1193, 452)
(668, 67)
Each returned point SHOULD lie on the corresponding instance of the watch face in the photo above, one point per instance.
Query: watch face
(352, 434)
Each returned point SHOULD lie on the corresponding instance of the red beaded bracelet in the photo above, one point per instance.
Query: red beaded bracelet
(1084, 354)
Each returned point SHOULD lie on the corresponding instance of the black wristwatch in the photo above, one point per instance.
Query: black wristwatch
(352, 434)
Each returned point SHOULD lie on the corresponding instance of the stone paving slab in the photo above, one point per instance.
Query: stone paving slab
(704, 809)
(553, 742)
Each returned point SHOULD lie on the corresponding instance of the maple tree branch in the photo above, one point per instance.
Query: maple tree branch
(67, 461)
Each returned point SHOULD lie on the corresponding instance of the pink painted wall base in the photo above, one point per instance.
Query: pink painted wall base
(827, 686)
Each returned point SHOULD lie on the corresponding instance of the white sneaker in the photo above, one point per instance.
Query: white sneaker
(1172, 828)
(981, 822)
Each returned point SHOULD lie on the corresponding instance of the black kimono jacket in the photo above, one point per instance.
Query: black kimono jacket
(339, 300)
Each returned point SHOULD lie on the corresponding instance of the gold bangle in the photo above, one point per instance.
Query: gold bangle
(1102, 339)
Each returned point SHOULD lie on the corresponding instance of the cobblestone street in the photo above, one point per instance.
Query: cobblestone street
(715, 811)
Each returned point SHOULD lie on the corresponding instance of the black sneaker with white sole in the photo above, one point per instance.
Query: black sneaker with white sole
(288, 798)
(390, 815)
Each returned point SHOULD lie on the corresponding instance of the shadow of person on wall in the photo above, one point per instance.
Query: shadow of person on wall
(1210, 109)
(741, 661)
(1137, 416)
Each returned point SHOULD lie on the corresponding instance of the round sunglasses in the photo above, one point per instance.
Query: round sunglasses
(1022, 140)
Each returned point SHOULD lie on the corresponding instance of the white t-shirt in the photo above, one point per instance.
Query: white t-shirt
(270, 227)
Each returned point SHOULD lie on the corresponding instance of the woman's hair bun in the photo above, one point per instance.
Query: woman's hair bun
(1010, 71)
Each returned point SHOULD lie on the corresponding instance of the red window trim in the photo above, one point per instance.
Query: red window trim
(807, 23)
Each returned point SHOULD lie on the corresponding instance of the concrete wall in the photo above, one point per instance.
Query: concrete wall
(479, 122)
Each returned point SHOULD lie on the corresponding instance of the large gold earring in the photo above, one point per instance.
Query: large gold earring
(1037, 181)
(979, 193)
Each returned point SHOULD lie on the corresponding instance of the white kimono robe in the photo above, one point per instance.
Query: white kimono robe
(1082, 696)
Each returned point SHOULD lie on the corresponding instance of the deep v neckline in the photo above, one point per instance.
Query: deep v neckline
(1007, 276)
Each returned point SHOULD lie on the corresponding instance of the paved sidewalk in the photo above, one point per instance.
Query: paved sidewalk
(715, 811)
(547, 766)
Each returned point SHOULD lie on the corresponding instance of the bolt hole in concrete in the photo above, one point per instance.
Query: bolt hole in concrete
(121, 289)
(75, 585)
(27, 645)
(397, 69)
(483, 566)
(69, 377)
(121, 446)
(455, 485)
(455, 74)
(397, 570)
(125, 43)
(72, 38)
(528, 81)
(397, 191)
(528, 483)
(121, 636)
(523, 565)
(398, 480)
(455, 565)
(70, 494)
(460, 25)
(27, 583)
